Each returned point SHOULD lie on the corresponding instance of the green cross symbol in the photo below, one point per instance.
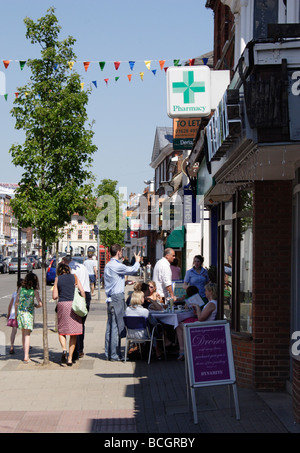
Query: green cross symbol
(188, 87)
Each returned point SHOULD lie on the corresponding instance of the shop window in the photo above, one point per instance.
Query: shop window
(244, 268)
(79, 234)
(235, 261)
(225, 261)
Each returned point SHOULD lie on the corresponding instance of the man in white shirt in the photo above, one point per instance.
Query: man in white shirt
(91, 266)
(162, 274)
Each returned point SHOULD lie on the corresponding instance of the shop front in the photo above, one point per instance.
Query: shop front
(251, 150)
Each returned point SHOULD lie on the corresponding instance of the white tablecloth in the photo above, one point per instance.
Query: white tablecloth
(172, 319)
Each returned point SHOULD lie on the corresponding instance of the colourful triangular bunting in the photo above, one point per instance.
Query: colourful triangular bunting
(101, 64)
(116, 79)
(71, 64)
(148, 64)
(86, 65)
(117, 65)
(129, 77)
(106, 81)
(154, 71)
(22, 64)
(142, 75)
(162, 63)
(192, 61)
(95, 83)
(176, 62)
(131, 64)
(6, 63)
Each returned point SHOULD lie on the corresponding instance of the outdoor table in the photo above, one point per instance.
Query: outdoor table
(171, 318)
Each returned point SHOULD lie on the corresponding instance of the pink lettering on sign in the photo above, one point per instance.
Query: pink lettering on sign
(209, 353)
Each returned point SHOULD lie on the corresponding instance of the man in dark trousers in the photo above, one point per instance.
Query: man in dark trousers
(114, 284)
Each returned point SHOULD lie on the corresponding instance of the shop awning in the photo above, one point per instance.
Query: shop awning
(176, 239)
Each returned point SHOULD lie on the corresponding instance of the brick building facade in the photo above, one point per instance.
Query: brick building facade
(254, 195)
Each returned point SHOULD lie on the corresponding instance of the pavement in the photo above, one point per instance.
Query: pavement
(123, 399)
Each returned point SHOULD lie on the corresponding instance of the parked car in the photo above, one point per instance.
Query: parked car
(33, 261)
(51, 272)
(79, 259)
(26, 265)
(3, 265)
(36, 260)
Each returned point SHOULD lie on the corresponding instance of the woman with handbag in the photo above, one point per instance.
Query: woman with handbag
(69, 323)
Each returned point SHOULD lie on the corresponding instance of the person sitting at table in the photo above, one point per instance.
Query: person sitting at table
(208, 313)
(156, 303)
(136, 309)
(140, 286)
(154, 299)
(189, 292)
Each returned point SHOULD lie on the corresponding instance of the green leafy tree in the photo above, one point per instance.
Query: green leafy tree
(57, 152)
(105, 210)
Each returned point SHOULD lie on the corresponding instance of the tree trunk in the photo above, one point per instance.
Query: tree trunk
(44, 299)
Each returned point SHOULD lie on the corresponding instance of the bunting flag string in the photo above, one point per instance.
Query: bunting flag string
(117, 65)
(86, 65)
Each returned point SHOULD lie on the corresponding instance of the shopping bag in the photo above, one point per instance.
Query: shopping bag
(79, 305)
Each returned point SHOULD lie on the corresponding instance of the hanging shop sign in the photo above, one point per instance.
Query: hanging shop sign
(188, 91)
(194, 91)
(225, 125)
(184, 132)
(189, 207)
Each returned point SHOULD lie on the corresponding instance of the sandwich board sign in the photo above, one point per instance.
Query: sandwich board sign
(209, 359)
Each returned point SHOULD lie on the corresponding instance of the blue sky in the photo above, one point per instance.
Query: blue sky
(126, 114)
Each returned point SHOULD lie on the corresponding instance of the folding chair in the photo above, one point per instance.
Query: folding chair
(138, 331)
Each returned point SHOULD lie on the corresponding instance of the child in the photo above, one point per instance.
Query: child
(12, 322)
(25, 309)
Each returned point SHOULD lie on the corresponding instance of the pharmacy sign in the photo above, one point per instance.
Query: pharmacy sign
(188, 90)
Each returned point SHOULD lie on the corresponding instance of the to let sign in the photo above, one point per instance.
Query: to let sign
(184, 132)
